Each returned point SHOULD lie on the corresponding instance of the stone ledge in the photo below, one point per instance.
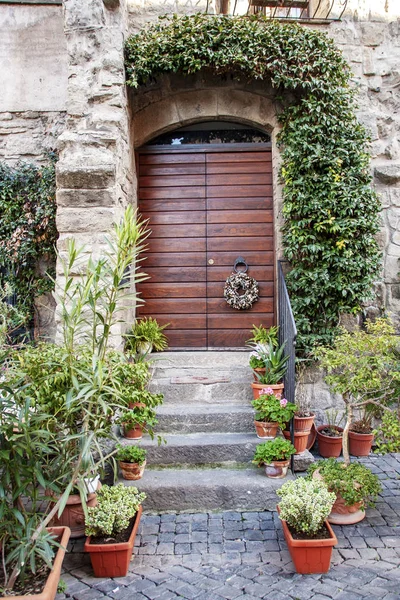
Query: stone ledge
(86, 177)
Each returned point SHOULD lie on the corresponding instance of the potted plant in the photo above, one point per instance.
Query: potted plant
(136, 421)
(146, 335)
(329, 435)
(303, 418)
(274, 361)
(275, 455)
(354, 485)
(361, 436)
(261, 336)
(111, 527)
(362, 366)
(271, 413)
(131, 461)
(303, 510)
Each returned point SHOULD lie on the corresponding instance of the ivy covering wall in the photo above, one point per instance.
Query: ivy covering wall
(330, 210)
(27, 230)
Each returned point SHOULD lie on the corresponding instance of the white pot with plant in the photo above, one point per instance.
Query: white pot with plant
(145, 336)
(275, 456)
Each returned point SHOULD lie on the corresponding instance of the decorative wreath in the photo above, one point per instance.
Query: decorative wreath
(235, 283)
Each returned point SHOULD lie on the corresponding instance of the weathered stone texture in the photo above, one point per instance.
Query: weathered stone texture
(29, 135)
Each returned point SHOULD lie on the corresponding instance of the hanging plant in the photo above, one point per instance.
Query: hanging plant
(330, 211)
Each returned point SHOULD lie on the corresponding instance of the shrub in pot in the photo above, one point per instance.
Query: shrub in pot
(274, 362)
(132, 461)
(111, 527)
(271, 413)
(136, 421)
(355, 487)
(362, 366)
(146, 335)
(303, 510)
(275, 455)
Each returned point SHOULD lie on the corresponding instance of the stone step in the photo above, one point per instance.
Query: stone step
(200, 448)
(239, 393)
(211, 449)
(217, 360)
(208, 489)
(197, 418)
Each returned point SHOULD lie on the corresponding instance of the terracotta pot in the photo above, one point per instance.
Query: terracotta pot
(260, 371)
(277, 469)
(136, 433)
(112, 560)
(73, 515)
(342, 514)
(131, 471)
(310, 556)
(360, 444)
(300, 440)
(49, 591)
(329, 446)
(346, 515)
(303, 423)
(136, 405)
(257, 387)
(266, 430)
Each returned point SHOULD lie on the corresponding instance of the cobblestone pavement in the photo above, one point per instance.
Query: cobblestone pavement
(229, 555)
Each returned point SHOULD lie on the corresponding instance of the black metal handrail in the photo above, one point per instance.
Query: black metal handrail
(287, 335)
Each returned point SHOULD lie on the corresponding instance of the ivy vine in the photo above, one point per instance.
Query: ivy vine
(28, 231)
(331, 213)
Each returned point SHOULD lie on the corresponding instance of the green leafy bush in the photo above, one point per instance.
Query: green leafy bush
(277, 449)
(131, 454)
(305, 505)
(116, 506)
(27, 230)
(262, 335)
(354, 482)
(271, 409)
(387, 437)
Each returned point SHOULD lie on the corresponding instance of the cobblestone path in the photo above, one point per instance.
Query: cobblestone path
(229, 555)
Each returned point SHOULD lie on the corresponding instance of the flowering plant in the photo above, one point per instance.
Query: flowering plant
(273, 409)
(305, 505)
(255, 360)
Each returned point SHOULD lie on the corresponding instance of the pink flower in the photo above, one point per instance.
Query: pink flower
(269, 391)
(283, 402)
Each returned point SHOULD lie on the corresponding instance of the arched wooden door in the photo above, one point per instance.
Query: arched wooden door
(206, 205)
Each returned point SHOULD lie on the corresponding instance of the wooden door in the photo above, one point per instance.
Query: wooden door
(206, 206)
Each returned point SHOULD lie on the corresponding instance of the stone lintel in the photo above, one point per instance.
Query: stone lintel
(86, 177)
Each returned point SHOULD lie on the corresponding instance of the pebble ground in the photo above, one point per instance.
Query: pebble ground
(229, 555)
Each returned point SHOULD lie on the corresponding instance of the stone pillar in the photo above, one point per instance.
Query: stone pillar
(94, 173)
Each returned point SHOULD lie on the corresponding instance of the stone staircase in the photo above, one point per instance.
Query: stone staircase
(207, 422)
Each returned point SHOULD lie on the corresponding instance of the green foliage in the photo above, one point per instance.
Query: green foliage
(274, 360)
(387, 437)
(27, 230)
(138, 416)
(271, 409)
(131, 454)
(11, 317)
(276, 449)
(364, 364)
(262, 335)
(354, 482)
(146, 332)
(330, 211)
(305, 505)
(116, 506)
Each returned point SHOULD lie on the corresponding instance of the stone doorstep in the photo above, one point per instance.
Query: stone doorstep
(217, 360)
(208, 489)
(192, 418)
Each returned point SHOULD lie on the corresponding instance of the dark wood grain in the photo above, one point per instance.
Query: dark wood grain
(173, 290)
(240, 157)
(216, 289)
(238, 179)
(175, 259)
(261, 273)
(241, 167)
(235, 191)
(237, 320)
(239, 230)
(239, 216)
(176, 274)
(176, 218)
(238, 246)
(174, 306)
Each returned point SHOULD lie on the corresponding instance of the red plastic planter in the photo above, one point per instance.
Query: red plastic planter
(300, 440)
(112, 560)
(360, 444)
(310, 556)
(329, 446)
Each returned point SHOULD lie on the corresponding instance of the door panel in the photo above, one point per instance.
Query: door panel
(206, 206)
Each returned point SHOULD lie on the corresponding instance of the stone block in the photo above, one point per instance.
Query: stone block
(84, 198)
(86, 177)
(391, 269)
(372, 34)
(394, 195)
(393, 216)
(154, 120)
(368, 62)
(303, 461)
(198, 104)
(388, 173)
(85, 219)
